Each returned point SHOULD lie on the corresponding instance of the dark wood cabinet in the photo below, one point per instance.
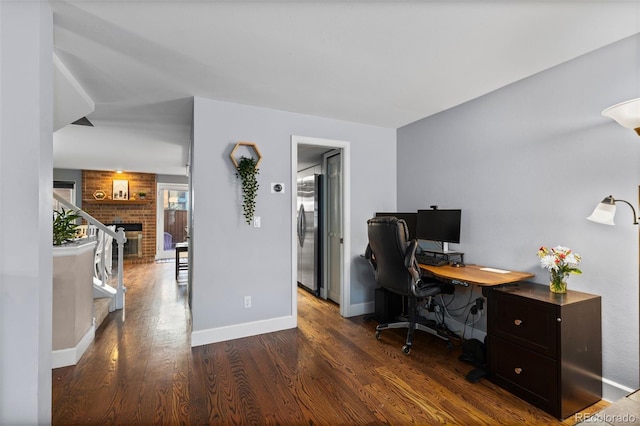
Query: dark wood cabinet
(546, 348)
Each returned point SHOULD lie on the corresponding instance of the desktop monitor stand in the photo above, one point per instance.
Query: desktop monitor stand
(445, 247)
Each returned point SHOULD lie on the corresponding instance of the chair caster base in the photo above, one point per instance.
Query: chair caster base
(406, 349)
(377, 334)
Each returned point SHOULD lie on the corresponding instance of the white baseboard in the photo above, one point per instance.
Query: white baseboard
(237, 331)
(361, 309)
(612, 391)
(71, 356)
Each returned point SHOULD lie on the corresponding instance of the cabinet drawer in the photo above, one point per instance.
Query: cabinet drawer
(525, 373)
(529, 323)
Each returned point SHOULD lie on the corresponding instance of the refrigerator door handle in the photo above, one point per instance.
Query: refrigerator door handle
(301, 225)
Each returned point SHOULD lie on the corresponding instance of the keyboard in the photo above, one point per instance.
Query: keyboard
(430, 260)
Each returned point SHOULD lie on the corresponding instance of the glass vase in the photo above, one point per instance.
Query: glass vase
(558, 283)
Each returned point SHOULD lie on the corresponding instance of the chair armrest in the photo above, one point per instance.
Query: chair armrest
(368, 254)
(410, 254)
(411, 264)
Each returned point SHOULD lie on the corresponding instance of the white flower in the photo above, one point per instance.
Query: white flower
(571, 259)
(549, 262)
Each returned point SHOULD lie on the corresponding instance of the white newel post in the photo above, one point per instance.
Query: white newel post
(121, 289)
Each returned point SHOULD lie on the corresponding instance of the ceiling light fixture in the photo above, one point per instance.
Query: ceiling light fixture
(627, 114)
(606, 210)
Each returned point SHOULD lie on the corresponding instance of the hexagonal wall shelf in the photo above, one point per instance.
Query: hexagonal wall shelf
(251, 145)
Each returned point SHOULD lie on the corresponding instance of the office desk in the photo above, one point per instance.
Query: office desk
(474, 274)
(545, 348)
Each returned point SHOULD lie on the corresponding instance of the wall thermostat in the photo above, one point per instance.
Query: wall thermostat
(277, 188)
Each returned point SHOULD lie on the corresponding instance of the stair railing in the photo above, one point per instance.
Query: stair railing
(118, 236)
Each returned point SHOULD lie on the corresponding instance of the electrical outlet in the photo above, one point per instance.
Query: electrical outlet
(247, 301)
(256, 221)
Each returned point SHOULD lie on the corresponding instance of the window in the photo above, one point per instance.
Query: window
(64, 189)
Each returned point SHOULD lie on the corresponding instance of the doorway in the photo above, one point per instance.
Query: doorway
(338, 154)
(172, 218)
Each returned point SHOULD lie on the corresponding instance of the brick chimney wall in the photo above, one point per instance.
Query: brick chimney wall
(133, 210)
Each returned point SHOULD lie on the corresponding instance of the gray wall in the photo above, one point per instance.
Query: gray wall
(527, 164)
(232, 259)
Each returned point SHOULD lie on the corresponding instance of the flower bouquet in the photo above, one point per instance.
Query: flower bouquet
(561, 262)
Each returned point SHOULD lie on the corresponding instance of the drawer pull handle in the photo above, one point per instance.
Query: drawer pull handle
(518, 370)
(517, 322)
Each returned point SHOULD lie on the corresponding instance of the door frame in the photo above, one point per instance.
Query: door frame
(345, 289)
(163, 254)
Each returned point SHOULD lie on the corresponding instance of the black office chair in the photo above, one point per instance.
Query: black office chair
(396, 270)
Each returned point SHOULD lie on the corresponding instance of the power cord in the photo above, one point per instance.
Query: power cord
(441, 311)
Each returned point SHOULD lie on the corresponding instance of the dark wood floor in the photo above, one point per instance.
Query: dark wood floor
(141, 370)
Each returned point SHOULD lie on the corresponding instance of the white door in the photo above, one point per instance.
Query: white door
(172, 218)
(333, 169)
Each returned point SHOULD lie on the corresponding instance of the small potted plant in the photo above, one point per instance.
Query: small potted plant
(142, 195)
(65, 228)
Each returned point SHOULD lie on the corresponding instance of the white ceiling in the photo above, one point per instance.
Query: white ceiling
(385, 63)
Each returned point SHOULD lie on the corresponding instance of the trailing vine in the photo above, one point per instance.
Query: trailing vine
(247, 172)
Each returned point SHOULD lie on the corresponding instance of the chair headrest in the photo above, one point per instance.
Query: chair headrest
(392, 222)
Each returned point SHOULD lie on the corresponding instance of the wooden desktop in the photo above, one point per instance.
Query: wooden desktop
(544, 347)
(476, 274)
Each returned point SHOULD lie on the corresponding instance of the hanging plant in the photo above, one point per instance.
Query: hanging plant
(247, 172)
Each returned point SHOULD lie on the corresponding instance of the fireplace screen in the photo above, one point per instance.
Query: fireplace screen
(133, 245)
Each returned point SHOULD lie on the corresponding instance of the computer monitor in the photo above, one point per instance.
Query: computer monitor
(439, 225)
(409, 219)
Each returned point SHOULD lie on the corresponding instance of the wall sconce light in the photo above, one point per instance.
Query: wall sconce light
(606, 210)
(627, 114)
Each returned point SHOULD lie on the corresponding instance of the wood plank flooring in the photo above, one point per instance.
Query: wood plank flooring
(329, 371)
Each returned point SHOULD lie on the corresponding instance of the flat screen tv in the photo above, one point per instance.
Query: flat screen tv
(409, 218)
(439, 225)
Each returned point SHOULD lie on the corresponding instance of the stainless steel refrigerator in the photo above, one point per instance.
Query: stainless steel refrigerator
(309, 230)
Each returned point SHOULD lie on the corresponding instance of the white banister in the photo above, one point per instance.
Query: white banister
(118, 236)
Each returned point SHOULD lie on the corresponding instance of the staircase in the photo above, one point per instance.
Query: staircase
(106, 298)
(100, 310)
(102, 268)
(104, 291)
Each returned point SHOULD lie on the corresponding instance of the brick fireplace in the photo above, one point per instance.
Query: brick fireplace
(132, 211)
